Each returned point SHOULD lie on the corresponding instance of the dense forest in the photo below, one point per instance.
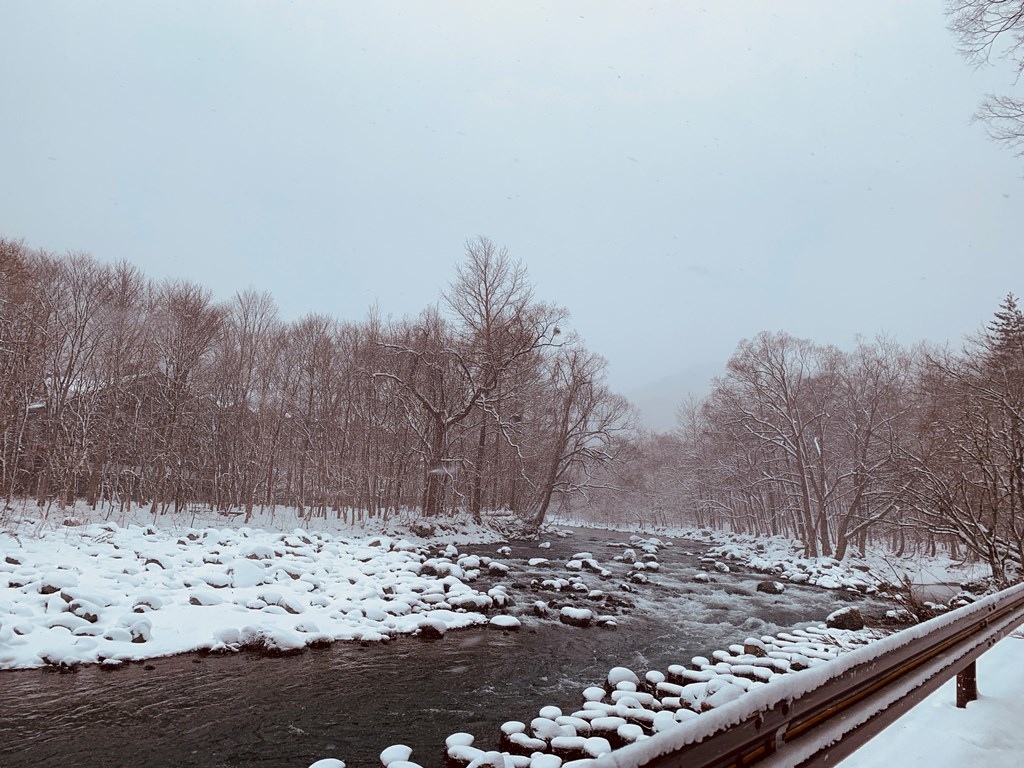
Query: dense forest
(916, 447)
(117, 390)
(120, 391)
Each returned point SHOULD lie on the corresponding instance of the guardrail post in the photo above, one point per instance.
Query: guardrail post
(966, 685)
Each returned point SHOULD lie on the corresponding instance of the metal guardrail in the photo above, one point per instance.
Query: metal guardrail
(818, 716)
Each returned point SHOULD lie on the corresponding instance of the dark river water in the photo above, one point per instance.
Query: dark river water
(350, 701)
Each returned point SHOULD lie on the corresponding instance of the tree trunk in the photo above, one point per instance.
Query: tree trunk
(476, 501)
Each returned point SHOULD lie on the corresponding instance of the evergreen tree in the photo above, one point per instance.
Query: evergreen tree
(1004, 338)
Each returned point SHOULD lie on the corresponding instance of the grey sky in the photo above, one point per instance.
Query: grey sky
(679, 175)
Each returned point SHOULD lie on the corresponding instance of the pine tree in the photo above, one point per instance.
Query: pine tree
(1004, 338)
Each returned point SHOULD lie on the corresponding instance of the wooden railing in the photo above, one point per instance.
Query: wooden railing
(820, 715)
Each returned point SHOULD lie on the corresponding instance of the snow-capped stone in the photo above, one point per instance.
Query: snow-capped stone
(576, 617)
(395, 753)
(503, 621)
(845, 618)
(619, 675)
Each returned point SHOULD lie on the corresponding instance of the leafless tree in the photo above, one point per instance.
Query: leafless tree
(773, 393)
(803, 438)
(117, 390)
(967, 461)
(245, 358)
(22, 322)
(453, 369)
(580, 421)
(77, 297)
(184, 324)
(121, 364)
(988, 29)
(875, 406)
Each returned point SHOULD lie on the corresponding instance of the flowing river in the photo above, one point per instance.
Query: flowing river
(351, 701)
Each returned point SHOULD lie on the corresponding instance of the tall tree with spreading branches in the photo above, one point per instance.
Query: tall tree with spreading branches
(987, 30)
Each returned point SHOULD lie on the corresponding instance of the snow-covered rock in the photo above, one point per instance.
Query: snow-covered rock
(576, 617)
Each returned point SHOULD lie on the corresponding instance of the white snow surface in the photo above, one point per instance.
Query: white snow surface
(935, 734)
(101, 593)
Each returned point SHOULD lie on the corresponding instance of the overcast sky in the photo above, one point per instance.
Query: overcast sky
(679, 175)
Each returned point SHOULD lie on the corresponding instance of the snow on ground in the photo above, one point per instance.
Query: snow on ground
(935, 734)
(25, 518)
(100, 593)
(876, 570)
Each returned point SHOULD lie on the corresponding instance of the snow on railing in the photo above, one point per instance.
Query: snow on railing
(822, 714)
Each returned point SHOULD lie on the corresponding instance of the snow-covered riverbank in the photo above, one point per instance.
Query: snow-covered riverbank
(105, 593)
(100, 593)
(877, 570)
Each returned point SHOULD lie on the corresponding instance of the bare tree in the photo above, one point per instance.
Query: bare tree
(876, 401)
(804, 438)
(579, 419)
(770, 394)
(116, 389)
(77, 299)
(123, 359)
(451, 370)
(967, 462)
(184, 326)
(245, 358)
(22, 323)
(312, 407)
(989, 29)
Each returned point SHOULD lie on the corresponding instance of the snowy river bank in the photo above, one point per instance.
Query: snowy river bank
(348, 700)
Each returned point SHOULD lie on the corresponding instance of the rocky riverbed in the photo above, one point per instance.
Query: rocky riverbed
(541, 621)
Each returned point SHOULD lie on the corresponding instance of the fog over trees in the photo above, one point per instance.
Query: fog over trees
(117, 390)
(919, 447)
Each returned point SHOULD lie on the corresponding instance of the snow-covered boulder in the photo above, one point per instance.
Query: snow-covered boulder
(504, 621)
(432, 629)
(576, 617)
(395, 753)
(771, 587)
(845, 618)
